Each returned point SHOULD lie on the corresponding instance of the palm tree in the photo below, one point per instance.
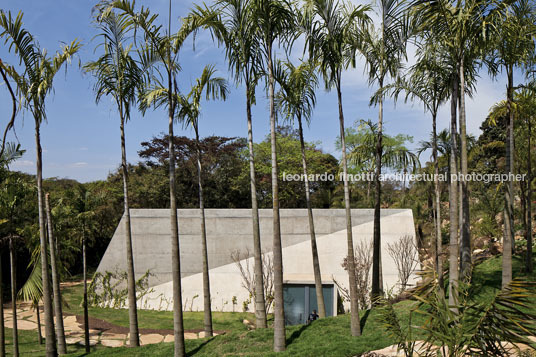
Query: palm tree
(274, 21)
(465, 29)
(513, 48)
(383, 50)
(14, 294)
(60, 331)
(161, 47)
(296, 100)
(328, 39)
(11, 122)
(2, 327)
(212, 88)
(429, 82)
(120, 76)
(243, 54)
(35, 83)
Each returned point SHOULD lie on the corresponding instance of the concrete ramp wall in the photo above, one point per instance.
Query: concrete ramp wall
(229, 230)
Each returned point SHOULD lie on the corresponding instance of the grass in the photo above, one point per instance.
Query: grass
(326, 337)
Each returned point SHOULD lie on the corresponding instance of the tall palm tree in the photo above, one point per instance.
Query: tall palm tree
(296, 100)
(33, 86)
(60, 331)
(120, 76)
(210, 87)
(383, 50)
(161, 48)
(243, 56)
(275, 22)
(2, 326)
(429, 82)
(513, 48)
(330, 27)
(13, 270)
(465, 29)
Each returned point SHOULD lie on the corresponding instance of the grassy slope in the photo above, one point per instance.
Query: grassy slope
(327, 337)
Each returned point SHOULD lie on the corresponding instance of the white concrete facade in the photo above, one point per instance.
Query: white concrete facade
(229, 230)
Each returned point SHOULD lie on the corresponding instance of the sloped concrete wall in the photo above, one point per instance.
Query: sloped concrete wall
(229, 230)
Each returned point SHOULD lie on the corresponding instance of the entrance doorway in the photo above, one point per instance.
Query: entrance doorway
(300, 301)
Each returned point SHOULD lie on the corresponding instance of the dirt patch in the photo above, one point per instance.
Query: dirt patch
(105, 326)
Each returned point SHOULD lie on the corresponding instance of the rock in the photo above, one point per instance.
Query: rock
(169, 338)
(26, 325)
(72, 340)
(478, 251)
(92, 342)
(112, 343)
(151, 338)
(190, 336)
(495, 248)
(113, 336)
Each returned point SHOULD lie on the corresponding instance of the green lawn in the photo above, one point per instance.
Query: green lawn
(326, 337)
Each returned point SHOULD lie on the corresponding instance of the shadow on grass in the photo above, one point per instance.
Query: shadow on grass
(198, 348)
(364, 319)
(296, 334)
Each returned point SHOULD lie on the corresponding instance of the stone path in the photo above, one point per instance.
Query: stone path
(74, 331)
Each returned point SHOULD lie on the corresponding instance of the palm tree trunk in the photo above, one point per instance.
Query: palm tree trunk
(509, 187)
(260, 302)
(453, 199)
(60, 331)
(84, 301)
(204, 252)
(2, 327)
(279, 311)
(355, 323)
(377, 289)
(14, 297)
(178, 326)
(439, 240)
(134, 340)
(314, 250)
(50, 338)
(39, 335)
(528, 264)
(465, 249)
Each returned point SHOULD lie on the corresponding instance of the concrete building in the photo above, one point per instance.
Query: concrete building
(230, 231)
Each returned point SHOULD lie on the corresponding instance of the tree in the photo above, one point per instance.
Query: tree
(429, 82)
(60, 331)
(119, 75)
(162, 49)
(274, 21)
(465, 29)
(212, 88)
(328, 39)
(296, 100)
(13, 270)
(243, 56)
(33, 86)
(513, 47)
(383, 50)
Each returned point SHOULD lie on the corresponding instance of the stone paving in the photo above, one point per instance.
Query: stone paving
(74, 331)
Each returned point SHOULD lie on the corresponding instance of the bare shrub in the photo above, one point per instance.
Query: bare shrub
(362, 265)
(248, 275)
(404, 253)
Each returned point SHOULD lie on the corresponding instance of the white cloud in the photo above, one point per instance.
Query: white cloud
(22, 164)
(79, 164)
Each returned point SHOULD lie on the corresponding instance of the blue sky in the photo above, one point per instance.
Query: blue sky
(81, 139)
